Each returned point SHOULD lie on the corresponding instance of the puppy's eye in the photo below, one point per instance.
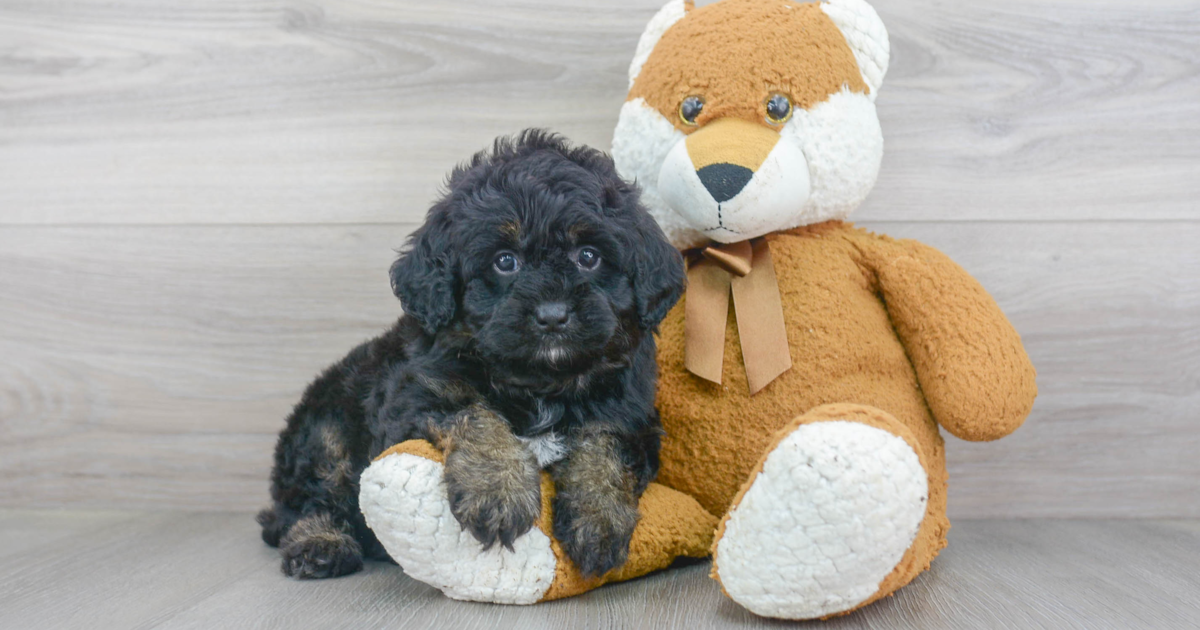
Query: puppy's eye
(779, 109)
(690, 108)
(588, 258)
(506, 263)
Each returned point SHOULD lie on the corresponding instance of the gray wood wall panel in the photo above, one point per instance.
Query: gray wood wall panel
(152, 366)
(198, 204)
(257, 111)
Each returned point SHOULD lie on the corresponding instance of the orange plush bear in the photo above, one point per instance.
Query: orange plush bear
(802, 415)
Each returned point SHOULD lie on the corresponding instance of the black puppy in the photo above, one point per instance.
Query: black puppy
(531, 294)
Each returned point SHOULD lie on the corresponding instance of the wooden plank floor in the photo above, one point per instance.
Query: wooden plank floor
(76, 569)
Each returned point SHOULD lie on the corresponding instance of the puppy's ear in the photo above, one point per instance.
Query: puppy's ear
(658, 271)
(424, 278)
(660, 278)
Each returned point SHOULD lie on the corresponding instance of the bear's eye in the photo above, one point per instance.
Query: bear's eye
(779, 109)
(506, 262)
(690, 108)
(588, 258)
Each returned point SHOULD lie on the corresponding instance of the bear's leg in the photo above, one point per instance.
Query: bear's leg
(403, 498)
(833, 518)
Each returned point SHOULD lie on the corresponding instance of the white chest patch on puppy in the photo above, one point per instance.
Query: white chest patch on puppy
(546, 448)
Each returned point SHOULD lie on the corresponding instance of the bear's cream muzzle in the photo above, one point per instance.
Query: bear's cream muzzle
(734, 180)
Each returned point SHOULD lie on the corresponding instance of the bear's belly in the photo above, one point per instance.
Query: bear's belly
(843, 349)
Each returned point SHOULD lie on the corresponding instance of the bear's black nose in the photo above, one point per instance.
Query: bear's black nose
(552, 316)
(724, 181)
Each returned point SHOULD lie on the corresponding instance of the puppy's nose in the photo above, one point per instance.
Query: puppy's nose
(723, 180)
(552, 317)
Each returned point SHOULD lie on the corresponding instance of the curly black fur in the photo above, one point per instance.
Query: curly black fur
(470, 368)
(492, 479)
(596, 499)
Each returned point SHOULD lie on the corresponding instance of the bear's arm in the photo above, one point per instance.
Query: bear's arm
(969, 360)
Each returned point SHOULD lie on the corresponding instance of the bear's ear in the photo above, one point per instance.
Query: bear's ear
(866, 35)
(666, 17)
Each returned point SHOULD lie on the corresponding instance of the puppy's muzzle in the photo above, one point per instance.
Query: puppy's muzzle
(552, 317)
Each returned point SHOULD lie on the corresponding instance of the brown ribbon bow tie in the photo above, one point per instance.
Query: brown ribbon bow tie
(747, 270)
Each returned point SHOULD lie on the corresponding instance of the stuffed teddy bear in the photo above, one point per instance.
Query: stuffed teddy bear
(802, 445)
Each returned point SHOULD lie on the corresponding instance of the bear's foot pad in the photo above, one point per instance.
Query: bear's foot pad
(834, 509)
(406, 492)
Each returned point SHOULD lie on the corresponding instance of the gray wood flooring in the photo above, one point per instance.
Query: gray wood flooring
(76, 569)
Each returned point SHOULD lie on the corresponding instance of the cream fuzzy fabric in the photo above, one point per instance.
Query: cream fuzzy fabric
(866, 35)
(834, 509)
(404, 501)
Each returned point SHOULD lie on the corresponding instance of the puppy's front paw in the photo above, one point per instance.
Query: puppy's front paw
(315, 548)
(496, 498)
(595, 533)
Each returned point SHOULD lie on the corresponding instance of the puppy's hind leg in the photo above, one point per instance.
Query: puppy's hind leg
(275, 522)
(316, 547)
(315, 520)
